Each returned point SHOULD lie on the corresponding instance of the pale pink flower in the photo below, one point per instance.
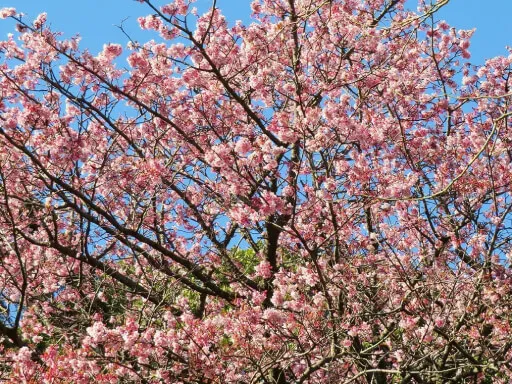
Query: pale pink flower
(7, 12)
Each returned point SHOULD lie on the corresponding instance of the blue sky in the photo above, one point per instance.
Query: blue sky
(95, 20)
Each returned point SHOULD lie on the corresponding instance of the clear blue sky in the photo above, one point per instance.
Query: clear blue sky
(95, 20)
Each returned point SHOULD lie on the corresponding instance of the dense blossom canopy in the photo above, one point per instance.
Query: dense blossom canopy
(321, 196)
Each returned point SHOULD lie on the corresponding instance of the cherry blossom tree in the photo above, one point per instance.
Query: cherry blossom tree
(322, 196)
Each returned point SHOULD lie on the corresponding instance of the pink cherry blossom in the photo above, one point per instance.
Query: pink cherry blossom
(7, 12)
(319, 196)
